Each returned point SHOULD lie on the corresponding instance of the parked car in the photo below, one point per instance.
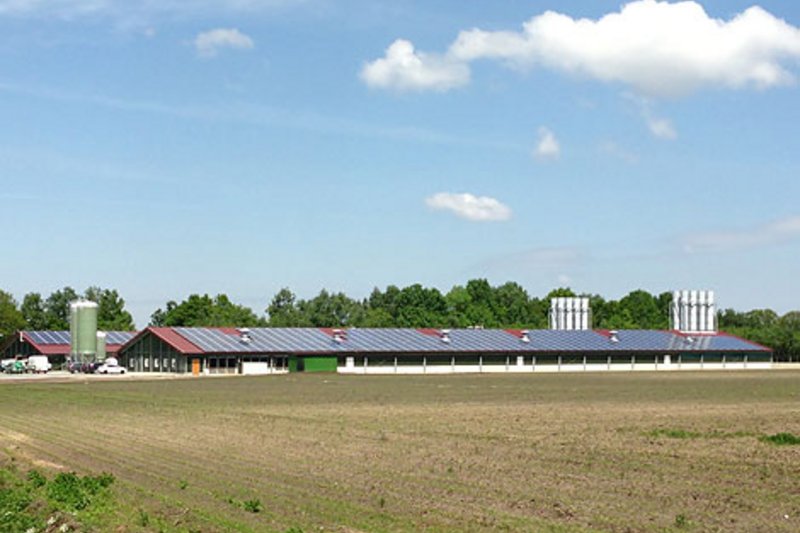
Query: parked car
(6, 364)
(14, 366)
(107, 368)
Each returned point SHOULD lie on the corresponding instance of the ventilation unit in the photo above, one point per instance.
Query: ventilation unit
(693, 312)
(569, 313)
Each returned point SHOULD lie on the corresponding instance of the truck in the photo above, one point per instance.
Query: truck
(38, 364)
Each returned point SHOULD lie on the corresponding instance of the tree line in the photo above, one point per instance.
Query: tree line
(475, 304)
(52, 313)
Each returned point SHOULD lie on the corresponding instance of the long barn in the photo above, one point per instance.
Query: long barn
(408, 350)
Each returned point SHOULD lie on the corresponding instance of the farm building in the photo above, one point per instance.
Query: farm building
(56, 344)
(406, 350)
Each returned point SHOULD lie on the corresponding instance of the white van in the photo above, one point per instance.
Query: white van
(38, 364)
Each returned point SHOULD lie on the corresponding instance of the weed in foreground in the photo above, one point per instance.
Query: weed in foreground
(675, 434)
(252, 506)
(781, 439)
(143, 519)
(681, 522)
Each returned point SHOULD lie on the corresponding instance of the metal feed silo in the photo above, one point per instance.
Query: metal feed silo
(101, 345)
(83, 327)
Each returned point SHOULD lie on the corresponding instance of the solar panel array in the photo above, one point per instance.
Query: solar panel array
(404, 340)
(63, 337)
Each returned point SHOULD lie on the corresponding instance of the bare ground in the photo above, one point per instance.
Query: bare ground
(614, 452)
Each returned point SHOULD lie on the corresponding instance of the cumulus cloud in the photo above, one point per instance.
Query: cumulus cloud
(547, 147)
(775, 232)
(210, 42)
(404, 69)
(470, 207)
(658, 48)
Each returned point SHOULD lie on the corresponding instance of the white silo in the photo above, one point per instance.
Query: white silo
(702, 311)
(569, 312)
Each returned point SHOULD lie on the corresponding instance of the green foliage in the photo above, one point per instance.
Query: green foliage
(111, 313)
(675, 434)
(75, 493)
(205, 311)
(681, 522)
(11, 319)
(36, 479)
(57, 308)
(782, 439)
(143, 518)
(27, 505)
(252, 506)
(34, 312)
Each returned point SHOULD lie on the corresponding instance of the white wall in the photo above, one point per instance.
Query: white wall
(550, 368)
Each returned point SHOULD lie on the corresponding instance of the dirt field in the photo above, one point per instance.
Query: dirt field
(575, 452)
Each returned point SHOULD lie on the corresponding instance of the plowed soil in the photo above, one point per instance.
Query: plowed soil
(578, 452)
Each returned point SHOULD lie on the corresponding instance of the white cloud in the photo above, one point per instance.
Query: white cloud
(210, 42)
(775, 232)
(404, 69)
(615, 150)
(658, 48)
(547, 147)
(660, 127)
(470, 207)
(563, 279)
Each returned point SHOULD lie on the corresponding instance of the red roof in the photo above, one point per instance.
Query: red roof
(61, 349)
(174, 339)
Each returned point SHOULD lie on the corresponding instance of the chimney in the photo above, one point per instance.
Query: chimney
(339, 336)
(244, 335)
(524, 336)
(612, 336)
(445, 335)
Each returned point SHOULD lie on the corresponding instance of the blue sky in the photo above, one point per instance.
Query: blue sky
(165, 148)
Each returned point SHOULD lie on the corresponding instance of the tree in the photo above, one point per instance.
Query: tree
(204, 311)
(419, 307)
(57, 308)
(11, 319)
(332, 310)
(34, 312)
(643, 310)
(111, 313)
(512, 306)
(283, 311)
(159, 316)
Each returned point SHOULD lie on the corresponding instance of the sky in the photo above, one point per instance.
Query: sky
(165, 147)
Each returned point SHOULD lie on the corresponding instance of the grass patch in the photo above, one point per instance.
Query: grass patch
(781, 439)
(34, 503)
(675, 433)
(686, 434)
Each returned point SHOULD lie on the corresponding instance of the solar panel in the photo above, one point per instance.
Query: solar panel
(49, 337)
(409, 340)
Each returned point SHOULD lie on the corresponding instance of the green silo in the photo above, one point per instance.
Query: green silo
(83, 326)
(101, 346)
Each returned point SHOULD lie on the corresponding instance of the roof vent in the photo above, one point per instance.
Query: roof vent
(612, 336)
(244, 336)
(339, 336)
(689, 340)
(524, 336)
(445, 336)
